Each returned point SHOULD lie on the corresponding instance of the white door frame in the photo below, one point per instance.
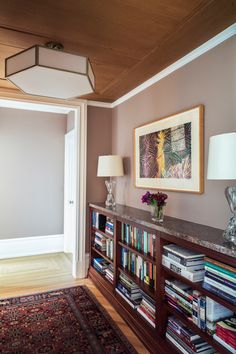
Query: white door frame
(79, 107)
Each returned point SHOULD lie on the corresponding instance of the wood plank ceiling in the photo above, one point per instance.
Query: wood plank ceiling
(127, 41)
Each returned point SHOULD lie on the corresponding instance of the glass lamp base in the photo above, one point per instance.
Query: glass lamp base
(230, 233)
(110, 202)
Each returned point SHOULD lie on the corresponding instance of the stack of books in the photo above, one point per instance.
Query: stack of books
(100, 264)
(185, 262)
(145, 271)
(98, 221)
(147, 309)
(214, 313)
(100, 241)
(226, 334)
(185, 340)
(141, 240)
(129, 290)
(109, 227)
(220, 279)
(109, 273)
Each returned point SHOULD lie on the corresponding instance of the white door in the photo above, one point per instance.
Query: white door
(69, 193)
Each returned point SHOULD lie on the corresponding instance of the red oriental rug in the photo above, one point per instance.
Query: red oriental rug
(63, 321)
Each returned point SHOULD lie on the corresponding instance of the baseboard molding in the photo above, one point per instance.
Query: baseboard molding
(30, 246)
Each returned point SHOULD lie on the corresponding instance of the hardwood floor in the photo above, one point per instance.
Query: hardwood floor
(28, 275)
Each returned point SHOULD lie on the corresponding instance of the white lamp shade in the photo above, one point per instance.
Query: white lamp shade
(110, 166)
(48, 72)
(222, 157)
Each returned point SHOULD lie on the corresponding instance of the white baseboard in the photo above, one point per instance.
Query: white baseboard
(30, 246)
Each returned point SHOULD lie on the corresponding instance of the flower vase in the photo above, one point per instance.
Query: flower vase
(157, 213)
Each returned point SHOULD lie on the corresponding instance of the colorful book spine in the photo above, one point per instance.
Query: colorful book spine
(219, 292)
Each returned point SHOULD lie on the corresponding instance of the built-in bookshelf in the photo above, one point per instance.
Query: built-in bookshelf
(174, 283)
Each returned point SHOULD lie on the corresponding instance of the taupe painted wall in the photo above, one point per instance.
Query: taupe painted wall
(210, 80)
(32, 173)
(99, 143)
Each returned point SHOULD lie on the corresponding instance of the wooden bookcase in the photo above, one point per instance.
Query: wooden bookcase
(153, 338)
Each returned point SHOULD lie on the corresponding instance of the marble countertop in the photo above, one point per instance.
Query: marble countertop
(202, 235)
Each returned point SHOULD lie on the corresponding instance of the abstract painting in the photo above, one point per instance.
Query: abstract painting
(168, 152)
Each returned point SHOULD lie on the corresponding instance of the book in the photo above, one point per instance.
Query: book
(133, 304)
(204, 348)
(142, 313)
(189, 268)
(224, 344)
(226, 270)
(194, 276)
(220, 274)
(219, 292)
(220, 265)
(183, 252)
(224, 288)
(221, 280)
(215, 311)
(176, 344)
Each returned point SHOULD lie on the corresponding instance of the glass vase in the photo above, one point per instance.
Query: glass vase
(157, 213)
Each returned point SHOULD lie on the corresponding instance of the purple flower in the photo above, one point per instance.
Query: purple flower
(154, 198)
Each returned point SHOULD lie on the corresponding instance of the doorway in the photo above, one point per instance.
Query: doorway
(75, 159)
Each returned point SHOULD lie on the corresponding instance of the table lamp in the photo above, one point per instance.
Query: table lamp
(222, 166)
(110, 166)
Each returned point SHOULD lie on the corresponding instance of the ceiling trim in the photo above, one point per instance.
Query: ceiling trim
(210, 44)
(99, 104)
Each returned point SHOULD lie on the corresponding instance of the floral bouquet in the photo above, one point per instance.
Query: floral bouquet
(157, 201)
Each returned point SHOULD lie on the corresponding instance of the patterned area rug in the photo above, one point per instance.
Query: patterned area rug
(63, 321)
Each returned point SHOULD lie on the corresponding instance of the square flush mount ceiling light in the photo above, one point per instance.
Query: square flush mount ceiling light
(48, 71)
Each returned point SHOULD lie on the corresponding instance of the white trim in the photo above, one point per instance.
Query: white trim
(31, 246)
(79, 262)
(100, 104)
(213, 42)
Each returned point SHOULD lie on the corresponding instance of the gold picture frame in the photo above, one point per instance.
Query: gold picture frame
(168, 152)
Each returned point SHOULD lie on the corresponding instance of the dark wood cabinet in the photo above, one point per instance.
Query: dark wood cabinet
(196, 237)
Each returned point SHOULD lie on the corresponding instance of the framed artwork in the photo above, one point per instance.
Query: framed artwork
(168, 152)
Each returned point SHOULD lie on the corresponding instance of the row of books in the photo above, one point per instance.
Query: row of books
(109, 227)
(201, 310)
(136, 298)
(185, 262)
(104, 244)
(185, 340)
(98, 221)
(141, 240)
(220, 279)
(145, 271)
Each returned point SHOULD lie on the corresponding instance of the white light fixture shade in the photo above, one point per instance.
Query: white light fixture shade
(222, 157)
(48, 72)
(110, 166)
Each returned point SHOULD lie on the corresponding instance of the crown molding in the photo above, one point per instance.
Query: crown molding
(210, 44)
(99, 104)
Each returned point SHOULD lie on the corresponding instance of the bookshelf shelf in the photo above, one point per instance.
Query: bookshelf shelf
(145, 256)
(94, 229)
(172, 231)
(148, 290)
(197, 330)
(102, 254)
